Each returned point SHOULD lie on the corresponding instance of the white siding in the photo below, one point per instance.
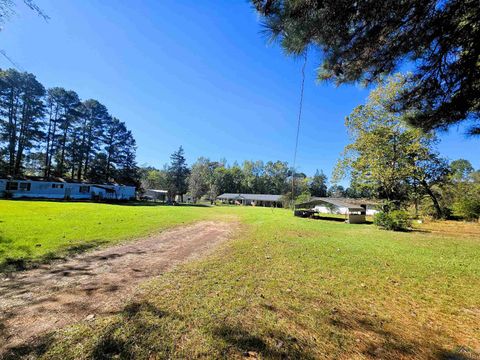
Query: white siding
(59, 190)
(333, 210)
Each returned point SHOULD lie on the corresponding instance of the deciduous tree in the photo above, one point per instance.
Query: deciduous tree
(388, 156)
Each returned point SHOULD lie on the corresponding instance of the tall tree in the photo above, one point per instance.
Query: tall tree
(62, 109)
(200, 178)
(152, 178)
(128, 171)
(318, 185)
(461, 169)
(177, 174)
(336, 191)
(364, 40)
(91, 125)
(81, 139)
(276, 174)
(71, 112)
(22, 109)
(388, 156)
(116, 139)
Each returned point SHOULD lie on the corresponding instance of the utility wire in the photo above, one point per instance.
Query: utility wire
(299, 119)
(9, 59)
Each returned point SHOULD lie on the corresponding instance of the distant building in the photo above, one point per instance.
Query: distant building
(185, 198)
(251, 199)
(156, 195)
(59, 189)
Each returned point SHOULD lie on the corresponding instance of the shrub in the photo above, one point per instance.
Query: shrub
(396, 220)
(467, 208)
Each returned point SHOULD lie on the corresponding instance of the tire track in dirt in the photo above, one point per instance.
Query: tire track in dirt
(100, 282)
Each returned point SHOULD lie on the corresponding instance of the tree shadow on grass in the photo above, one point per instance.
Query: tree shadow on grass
(10, 265)
(459, 353)
(272, 345)
(108, 202)
(152, 203)
(136, 318)
(31, 350)
(376, 342)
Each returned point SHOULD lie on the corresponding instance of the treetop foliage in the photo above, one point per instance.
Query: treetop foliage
(362, 41)
(52, 133)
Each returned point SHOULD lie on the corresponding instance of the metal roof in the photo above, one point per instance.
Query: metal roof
(251, 197)
(158, 191)
(337, 202)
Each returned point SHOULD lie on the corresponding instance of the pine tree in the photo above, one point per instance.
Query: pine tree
(94, 116)
(363, 40)
(177, 174)
(22, 110)
(62, 114)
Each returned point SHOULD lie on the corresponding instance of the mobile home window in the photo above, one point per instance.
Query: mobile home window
(84, 189)
(24, 186)
(12, 185)
(57, 186)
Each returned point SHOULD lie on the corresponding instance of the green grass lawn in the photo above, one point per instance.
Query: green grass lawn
(32, 231)
(284, 287)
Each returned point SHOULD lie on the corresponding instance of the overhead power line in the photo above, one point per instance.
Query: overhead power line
(299, 119)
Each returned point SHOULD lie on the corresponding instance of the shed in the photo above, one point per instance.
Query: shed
(156, 194)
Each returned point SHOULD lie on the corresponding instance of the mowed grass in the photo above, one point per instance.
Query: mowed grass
(37, 231)
(287, 287)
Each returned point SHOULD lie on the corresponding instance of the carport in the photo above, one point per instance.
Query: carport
(354, 214)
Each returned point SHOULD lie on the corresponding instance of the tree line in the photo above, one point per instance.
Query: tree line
(387, 159)
(209, 178)
(53, 133)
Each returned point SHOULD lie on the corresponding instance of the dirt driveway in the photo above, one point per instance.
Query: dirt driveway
(99, 282)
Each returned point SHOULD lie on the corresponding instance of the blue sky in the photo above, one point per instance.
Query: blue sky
(193, 73)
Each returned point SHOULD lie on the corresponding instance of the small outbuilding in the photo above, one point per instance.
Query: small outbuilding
(267, 200)
(156, 194)
(354, 213)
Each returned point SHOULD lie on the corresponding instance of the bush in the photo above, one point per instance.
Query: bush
(468, 208)
(396, 220)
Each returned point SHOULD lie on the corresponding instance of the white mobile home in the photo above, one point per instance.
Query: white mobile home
(17, 189)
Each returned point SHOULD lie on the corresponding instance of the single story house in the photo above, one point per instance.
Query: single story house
(251, 199)
(59, 189)
(353, 209)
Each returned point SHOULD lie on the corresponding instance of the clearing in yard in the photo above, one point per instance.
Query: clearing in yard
(281, 287)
